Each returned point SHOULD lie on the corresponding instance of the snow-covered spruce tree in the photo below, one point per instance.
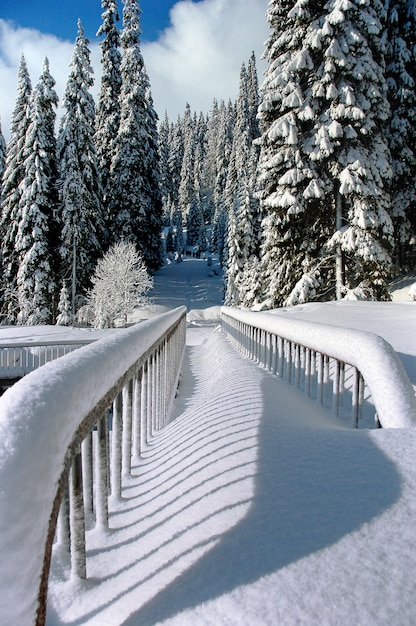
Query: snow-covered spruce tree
(179, 238)
(289, 185)
(350, 144)
(10, 209)
(65, 308)
(253, 96)
(233, 261)
(152, 241)
(107, 119)
(195, 226)
(165, 180)
(135, 201)
(83, 231)
(34, 241)
(2, 162)
(324, 163)
(240, 194)
(209, 166)
(119, 285)
(187, 179)
(401, 130)
(223, 155)
(175, 158)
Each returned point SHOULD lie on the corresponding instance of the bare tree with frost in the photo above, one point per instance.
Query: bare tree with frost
(119, 285)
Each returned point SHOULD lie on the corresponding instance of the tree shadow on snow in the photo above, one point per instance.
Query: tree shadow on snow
(314, 485)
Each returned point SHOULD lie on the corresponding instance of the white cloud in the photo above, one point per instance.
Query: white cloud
(198, 58)
(34, 46)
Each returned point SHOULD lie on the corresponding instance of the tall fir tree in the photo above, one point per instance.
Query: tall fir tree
(241, 195)
(135, 201)
(35, 241)
(401, 130)
(83, 235)
(2, 162)
(13, 176)
(186, 186)
(107, 120)
(324, 163)
(165, 179)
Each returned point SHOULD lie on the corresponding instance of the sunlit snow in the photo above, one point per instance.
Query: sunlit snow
(254, 506)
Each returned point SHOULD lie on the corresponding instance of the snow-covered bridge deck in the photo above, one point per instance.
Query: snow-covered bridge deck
(253, 506)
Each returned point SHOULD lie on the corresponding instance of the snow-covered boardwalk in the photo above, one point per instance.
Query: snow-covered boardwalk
(253, 506)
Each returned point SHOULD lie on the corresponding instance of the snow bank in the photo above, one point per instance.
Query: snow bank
(38, 418)
(392, 392)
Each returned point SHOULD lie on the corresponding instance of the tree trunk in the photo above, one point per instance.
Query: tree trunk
(339, 262)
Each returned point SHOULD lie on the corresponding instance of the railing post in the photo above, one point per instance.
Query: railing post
(87, 468)
(136, 417)
(63, 532)
(144, 407)
(116, 446)
(101, 487)
(127, 430)
(77, 520)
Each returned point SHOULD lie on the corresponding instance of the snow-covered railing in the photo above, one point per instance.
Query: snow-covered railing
(316, 357)
(18, 358)
(69, 432)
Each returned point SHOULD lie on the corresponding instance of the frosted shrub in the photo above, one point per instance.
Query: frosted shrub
(120, 284)
(412, 292)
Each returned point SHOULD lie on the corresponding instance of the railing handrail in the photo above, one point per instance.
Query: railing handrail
(393, 396)
(42, 343)
(43, 419)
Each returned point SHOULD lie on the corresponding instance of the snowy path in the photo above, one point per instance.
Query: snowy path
(253, 507)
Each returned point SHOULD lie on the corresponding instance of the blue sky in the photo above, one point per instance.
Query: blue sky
(193, 50)
(59, 17)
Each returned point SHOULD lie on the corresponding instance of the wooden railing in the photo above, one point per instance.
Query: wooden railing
(18, 358)
(337, 366)
(69, 432)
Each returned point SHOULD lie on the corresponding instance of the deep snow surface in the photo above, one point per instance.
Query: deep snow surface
(253, 506)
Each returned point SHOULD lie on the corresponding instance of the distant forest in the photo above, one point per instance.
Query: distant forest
(304, 187)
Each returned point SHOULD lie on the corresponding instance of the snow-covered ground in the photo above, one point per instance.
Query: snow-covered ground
(254, 506)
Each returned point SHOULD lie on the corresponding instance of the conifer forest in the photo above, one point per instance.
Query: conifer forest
(303, 188)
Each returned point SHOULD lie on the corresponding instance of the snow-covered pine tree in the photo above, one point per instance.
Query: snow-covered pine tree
(83, 230)
(10, 210)
(2, 162)
(176, 148)
(324, 164)
(209, 167)
(253, 96)
(135, 184)
(288, 183)
(195, 226)
(234, 267)
(240, 192)
(186, 185)
(165, 179)
(65, 308)
(179, 238)
(350, 96)
(34, 241)
(107, 119)
(401, 130)
(223, 155)
(152, 242)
